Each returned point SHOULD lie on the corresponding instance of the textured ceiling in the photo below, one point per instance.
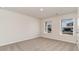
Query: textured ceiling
(48, 11)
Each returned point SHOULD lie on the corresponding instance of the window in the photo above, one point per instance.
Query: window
(67, 26)
(48, 26)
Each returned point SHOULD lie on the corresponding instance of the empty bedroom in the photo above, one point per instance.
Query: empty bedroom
(39, 29)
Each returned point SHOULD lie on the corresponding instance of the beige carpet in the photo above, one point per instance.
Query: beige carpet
(40, 44)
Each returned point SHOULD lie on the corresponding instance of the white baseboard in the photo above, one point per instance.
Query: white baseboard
(26, 38)
(59, 40)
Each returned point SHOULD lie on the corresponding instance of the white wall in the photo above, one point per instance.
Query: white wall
(78, 29)
(16, 27)
(56, 28)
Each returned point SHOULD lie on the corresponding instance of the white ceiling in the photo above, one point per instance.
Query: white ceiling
(48, 11)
